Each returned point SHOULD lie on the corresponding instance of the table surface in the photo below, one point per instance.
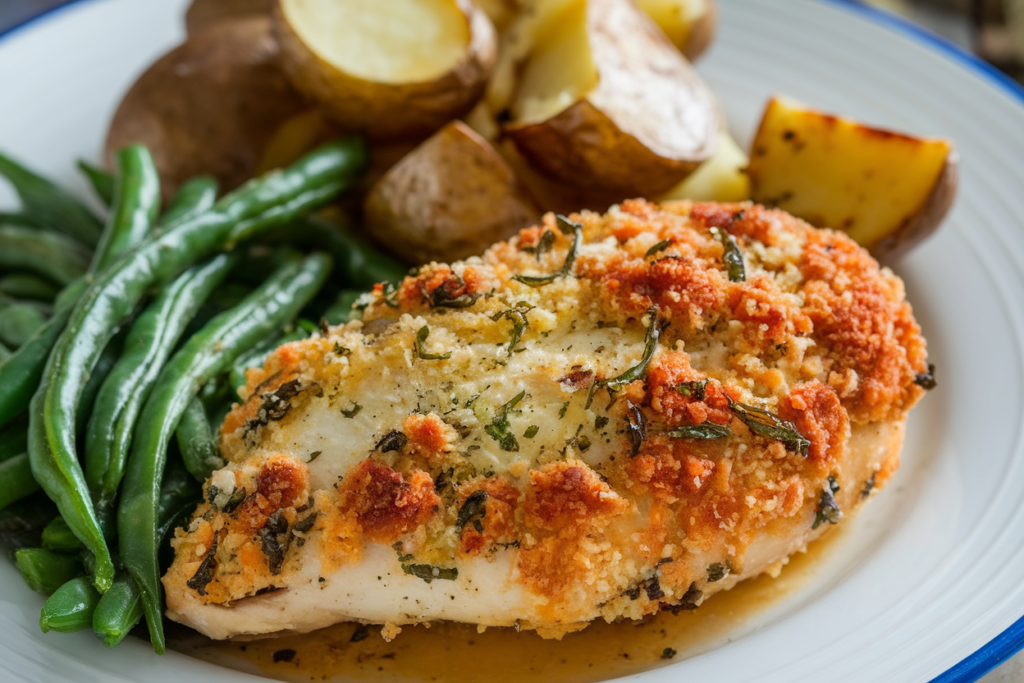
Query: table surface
(950, 25)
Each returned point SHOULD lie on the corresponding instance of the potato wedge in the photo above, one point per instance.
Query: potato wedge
(451, 197)
(210, 105)
(389, 70)
(607, 101)
(689, 24)
(887, 190)
(204, 13)
(722, 178)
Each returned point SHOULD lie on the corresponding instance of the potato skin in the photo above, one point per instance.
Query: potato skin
(385, 111)
(648, 124)
(702, 33)
(208, 106)
(204, 13)
(450, 198)
(927, 220)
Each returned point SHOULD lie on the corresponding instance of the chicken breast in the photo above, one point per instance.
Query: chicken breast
(599, 419)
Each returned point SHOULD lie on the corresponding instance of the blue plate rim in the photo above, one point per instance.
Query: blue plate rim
(1011, 640)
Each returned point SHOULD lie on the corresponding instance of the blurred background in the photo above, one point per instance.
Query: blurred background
(991, 29)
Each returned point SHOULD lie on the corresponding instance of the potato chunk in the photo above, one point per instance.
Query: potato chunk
(886, 190)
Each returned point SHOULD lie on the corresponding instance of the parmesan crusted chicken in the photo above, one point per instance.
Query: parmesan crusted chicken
(596, 419)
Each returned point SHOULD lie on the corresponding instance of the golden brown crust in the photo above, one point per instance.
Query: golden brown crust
(604, 499)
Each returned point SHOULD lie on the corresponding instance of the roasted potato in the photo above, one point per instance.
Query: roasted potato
(606, 101)
(210, 105)
(689, 24)
(399, 69)
(204, 13)
(887, 190)
(722, 178)
(449, 198)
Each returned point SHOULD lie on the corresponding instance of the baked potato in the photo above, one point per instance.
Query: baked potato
(449, 198)
(887, 190)
(211, 105)
(204, 13)
(606, 101)
(722, 178)
(689, 24)
(390, 70)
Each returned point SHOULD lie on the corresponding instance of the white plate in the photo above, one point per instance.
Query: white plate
(930, 573)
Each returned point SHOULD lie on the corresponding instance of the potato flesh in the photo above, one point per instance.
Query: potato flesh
(722, 178)
(397, 41)
(675, 17)
(838, 173)
(561, 70)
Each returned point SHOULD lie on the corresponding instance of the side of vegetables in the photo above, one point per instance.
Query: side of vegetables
(88, 415)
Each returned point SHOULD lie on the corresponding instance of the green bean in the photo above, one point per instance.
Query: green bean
(104, 366)
(50, 254)
(196, 441)
(18, 323)
(358, 263)
(261, 204)
(13, 440)
(5, 353)
(135, 207)
(22, 524)
(203, 357)
(71, 607)
(19, 218)
(102, 183)
(16, 480)
(118, 611)
(58, 536)
(193, 197)
(45, 570)
(50, 205)
(27, 286)
(120, 608)
(148, 346)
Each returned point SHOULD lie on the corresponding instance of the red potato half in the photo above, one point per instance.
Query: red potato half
(606, 101)
(450, 198)
(391, 70)
(204, 13)
(209, 106)
(887, 190)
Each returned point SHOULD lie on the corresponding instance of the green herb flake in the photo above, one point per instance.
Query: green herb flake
(353, 411)
(429, 572)
(636, 427)
(499, 428)
(392, 441)
(531, 432)
(452, 294)
(600, 422)
(696, 390)
(517, 316)
(473, 510)
(763, 423)
(561, 411)
(583, 443)
(570, 228)
(391, 294)
(637, 371)
(718, 571)
(668, 653)
(869, 486)
(926, 380)
(704, 432)
(313, 456)
(340, 350)
(660, 246)
(732, 257)
(544, 245)
(421, 353)
(828, 510)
